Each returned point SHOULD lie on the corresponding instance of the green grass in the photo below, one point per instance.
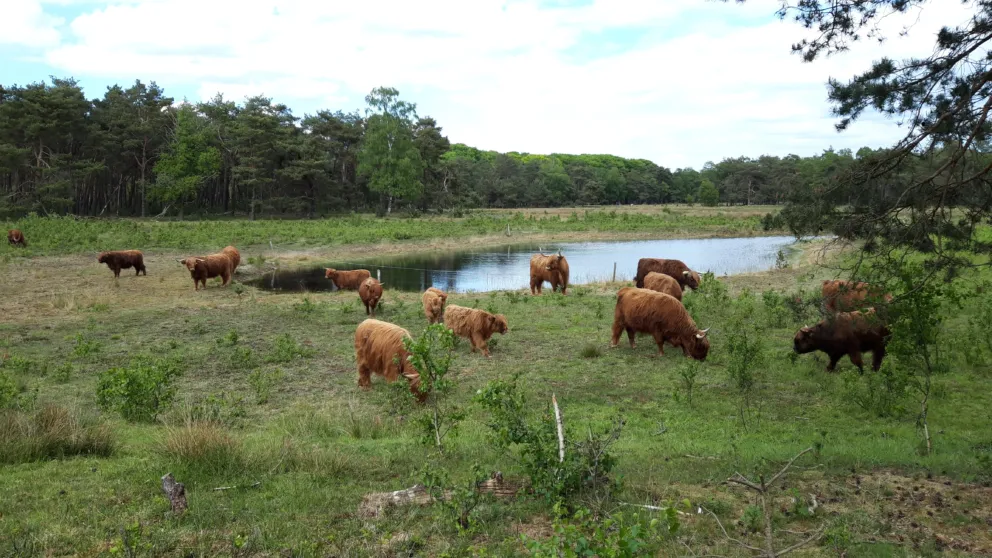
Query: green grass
(55, 235)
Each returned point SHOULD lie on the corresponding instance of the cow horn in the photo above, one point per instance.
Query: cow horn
(198, 260)
(559, 251)
(703, 334)
(686, 273)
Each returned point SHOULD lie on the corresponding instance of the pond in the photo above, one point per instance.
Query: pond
(508, 267)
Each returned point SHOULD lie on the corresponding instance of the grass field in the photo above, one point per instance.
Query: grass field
(268, 409)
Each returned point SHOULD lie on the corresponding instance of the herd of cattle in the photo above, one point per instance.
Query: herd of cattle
(654, 306)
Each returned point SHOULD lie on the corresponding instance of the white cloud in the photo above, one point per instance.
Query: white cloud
(499, 74)
(26, 24)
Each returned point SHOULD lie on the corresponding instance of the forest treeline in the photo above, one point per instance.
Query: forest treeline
(134, 152)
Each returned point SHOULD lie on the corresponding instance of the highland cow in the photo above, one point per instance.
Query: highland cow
(675, 269)
(16, 238)
(553, 269)
(123, 259)
(845, 296)
(434, 300)
(846, 333)
(347, 279)
(475, 325)
(370, 292)
(379, 349)
(661, 315)
(235, 256)
(208, 267)
(661, 283)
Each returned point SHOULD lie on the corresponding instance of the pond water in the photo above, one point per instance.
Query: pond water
(508, 267)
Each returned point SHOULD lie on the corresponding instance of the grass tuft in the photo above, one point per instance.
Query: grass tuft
(52, 432)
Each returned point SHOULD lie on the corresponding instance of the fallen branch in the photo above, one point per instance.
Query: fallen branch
(253, 485)
(373, 505)
(561, 430)
(175, 492)
(652, 508)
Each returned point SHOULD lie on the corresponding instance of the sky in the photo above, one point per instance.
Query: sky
(678, 82)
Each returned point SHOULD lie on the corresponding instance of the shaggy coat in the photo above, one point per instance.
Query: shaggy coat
(370, 292)
(235, 256)
(16, 237)
(846, 333)
(661, 315)
(379, 349)
(347, 279)
(675, 269)
(844, 296)
(434, 300)
(553, 269)
(123, 259)
(475, 325)
(208, 267)
(659, 282)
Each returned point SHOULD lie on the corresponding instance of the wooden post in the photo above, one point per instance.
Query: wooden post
(614, 272)
(561, 430)
(175, 492)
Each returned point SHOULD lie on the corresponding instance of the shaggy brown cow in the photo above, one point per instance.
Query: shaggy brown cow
(476, 325)
(844, 296)
(553, 269)
(675, 269)
(434, 300)
(123, 259)
(379, 349)
(661, 315)
(661, 283)
(347, 279)
(846, 333)
(16, 238)
(370, 292)
(202, 268)
(235, 256)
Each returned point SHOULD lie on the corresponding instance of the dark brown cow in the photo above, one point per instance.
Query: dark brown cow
(123, 259)
(661, 283)
(202, 268)
(347, 279)
(846, 333)
(553, 269)
(661, 315)
(475, 325)
(16, 238)
(844, 296)
(370, 292)
(235, 256)
(675, 269)
(434, 300)
(379, 350)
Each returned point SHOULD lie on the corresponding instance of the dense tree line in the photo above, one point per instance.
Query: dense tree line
(136, 152)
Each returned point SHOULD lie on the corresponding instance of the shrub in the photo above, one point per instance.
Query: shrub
(431, 356)
(619, 535)
(84, 347)
(204, 446)
(140, 391)
(52, 432)
(287, 350)
(229, 340)
(591, 351)
(243, 358)
(262, 382)
(8, 390)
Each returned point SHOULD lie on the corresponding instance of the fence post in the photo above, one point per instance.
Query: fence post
(614, 272)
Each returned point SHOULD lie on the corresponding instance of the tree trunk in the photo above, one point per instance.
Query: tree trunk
(175, 492)
(251, 211)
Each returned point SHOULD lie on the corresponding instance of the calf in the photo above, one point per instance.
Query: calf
(370, 292)
(123, 259)
(846, 333)
(16, 238)
(475, 325)
(208, 267)
(675, 269)
(347, 279)
(661, 315)
(379, 349)
(661, 283)
(434, 300)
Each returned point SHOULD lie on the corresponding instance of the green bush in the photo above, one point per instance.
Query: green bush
(262, 382)
(287, 350)
(140, 391)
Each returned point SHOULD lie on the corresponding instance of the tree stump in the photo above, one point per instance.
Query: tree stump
(175, 492)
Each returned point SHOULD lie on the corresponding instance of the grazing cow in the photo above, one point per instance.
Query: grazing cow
(16, 238)
(370, 292)
(845, 296)
(476, 325)
(553, 269)
(434, 300)
(235, 256)
(659, 282)
(347, 279)
(123, 259)
(379, 349)
(675, 269)
(846, 333)
(202, 268)
(661, 315)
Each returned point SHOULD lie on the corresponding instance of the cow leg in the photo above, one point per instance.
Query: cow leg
(632, 336)
(857, 361)
(617, 330)
(227, 279)
(366, 308)
(480, 342)
(364, 377)
(833, 362)
(876, 358)
(660, 340)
